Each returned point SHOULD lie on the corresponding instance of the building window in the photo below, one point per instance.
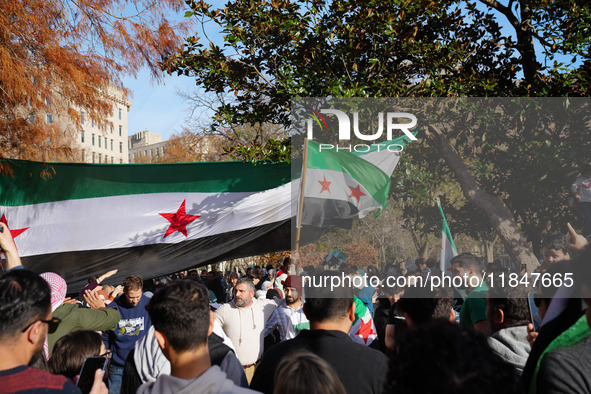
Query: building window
(121, 147)
(82, 117)
(92, 123)
(119, 113)
(111, 129)
(49, 119)
(83, 155)
(99, 138)
(93, 143)
(111, 159)
(111, 145)
(100, 157)
(82, 136)
(120, 161)
(93, 156)
(120, 130)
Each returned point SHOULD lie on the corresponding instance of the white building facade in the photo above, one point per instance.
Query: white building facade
(145, 147)
(106, 141)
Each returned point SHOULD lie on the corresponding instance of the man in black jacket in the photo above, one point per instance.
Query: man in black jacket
(360, 369)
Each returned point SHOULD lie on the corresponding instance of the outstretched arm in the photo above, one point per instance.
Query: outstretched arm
(106, 275)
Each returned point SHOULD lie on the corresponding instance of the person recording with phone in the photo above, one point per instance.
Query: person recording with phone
(25, 307)
(71, 350)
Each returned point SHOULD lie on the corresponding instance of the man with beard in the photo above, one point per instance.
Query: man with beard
(243, 320)
(25, 307)
(289, 318)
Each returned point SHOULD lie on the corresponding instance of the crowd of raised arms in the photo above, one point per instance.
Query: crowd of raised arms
(272, 329)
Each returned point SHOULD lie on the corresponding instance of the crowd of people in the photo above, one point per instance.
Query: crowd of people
(269, 330)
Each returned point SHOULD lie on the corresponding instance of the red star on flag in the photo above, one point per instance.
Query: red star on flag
(178, 221)
(14, 232)
(365, 331)
(356, 192)
(325, 185)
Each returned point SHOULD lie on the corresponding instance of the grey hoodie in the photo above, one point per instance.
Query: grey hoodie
(511, 345)
(150, 362)
(212, 381)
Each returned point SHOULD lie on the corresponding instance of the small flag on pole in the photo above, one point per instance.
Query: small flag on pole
(341, 186)
(448, 248)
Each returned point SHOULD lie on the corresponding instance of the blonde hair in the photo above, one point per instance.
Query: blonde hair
(305, 372)
(108, 289)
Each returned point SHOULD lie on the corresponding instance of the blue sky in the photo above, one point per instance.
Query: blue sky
(157, 106)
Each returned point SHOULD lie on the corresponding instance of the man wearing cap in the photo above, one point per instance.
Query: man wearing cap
(289, 318)
(283, 273)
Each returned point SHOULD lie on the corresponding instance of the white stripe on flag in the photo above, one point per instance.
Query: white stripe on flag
(135, 220)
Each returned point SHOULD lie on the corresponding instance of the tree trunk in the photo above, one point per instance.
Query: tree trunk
(489, 239)
(497, 212)
(525, 45)
(489, 253)
(423, 250)
(419, 242)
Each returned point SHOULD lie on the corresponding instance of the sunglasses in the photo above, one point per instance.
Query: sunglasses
(107, 354)
(52, 324)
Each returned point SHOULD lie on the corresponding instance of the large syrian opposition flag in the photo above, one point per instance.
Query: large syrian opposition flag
(341, 186)
(144, 219)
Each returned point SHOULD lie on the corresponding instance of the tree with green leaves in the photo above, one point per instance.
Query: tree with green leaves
(276, 50)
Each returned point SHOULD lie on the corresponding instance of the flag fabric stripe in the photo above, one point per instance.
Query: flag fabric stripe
(448, 248)
(155, 260)
(374, 180)
(341, 186)
(380, 156)
(363, 329)
(148, 220)
(135, 220)
(34, 182)
(344, 188)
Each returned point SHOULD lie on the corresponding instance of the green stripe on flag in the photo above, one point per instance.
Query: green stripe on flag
(381, 146)
(68, 181)
(447, 231)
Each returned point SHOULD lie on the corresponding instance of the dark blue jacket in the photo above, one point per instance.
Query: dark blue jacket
(134, 324)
